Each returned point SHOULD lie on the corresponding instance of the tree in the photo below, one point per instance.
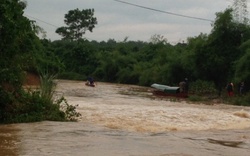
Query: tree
(216, 57)
(242, 65)
(17, 45)
(158, 39)
(15, 33)
(78, 22)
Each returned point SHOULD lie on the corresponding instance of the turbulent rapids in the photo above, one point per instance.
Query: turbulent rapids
(129, 120)
(135, 108)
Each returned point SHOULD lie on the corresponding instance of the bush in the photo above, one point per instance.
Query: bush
(239, 100)
(200, 87)
(29, 107)
(69, 110)
(196, 98)
(38, 105)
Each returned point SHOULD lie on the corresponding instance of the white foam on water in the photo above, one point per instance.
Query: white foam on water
(105, 105)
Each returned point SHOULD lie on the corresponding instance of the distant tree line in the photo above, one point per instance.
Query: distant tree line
(218, 57)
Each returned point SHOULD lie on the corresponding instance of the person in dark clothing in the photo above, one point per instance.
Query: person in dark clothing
(242, 88)
(186, 85)
(90, 81)
(182, 86)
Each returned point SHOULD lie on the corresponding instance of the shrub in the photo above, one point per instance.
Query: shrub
(240, 100)
(38, 105)
(200, 87)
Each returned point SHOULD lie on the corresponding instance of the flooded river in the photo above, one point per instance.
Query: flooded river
(127, 120)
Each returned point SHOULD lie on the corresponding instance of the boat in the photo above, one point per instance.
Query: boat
(90, 84)
(164, 90)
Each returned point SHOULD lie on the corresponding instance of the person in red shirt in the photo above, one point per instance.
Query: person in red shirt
(230, 89)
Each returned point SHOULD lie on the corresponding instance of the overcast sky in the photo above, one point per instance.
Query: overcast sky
(117, 20)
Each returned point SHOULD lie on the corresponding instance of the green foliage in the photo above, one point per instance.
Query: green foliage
(200, 87)
(30, 107)
(196, 98)
(38, 105)
(77, 21)
(243, 67)
(15, 30)
(60, 106)
(240, 100)
(70, 57)
(47, 86)
(158, 39)
(21, 50)
(16, 40)
(69, 110)
(216, 55)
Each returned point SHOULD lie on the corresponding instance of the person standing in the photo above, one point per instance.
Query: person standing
(182, 86)
(186, 85)
(230, 88)
(242, 88)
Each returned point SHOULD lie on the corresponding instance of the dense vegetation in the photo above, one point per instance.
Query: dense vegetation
(218, 58)
(210, 61)
(21, 52)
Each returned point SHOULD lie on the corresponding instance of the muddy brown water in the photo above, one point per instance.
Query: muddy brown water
(127, 120)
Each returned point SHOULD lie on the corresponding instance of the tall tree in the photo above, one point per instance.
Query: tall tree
(78, 22)
(216, 57)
